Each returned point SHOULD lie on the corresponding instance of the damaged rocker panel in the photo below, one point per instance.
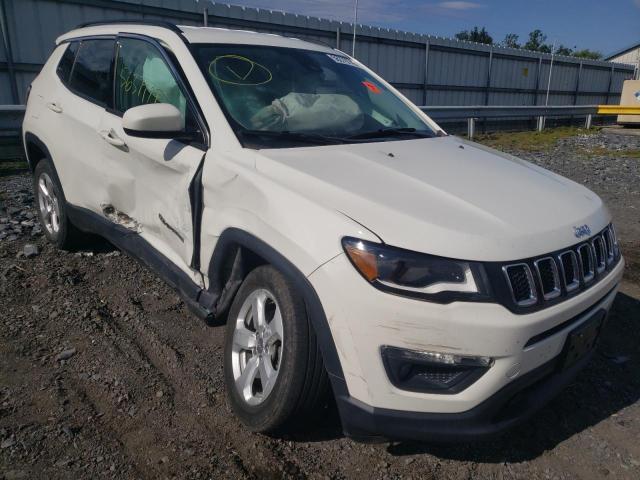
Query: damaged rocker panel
(141, 250)
(120, 218)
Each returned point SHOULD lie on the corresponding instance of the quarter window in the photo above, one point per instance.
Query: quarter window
(91, 75)
(66, 62)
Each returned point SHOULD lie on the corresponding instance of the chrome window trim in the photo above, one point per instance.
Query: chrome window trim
(556, 278)
(570, 287)
(533, 296)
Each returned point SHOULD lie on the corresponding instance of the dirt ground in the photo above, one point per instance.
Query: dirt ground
(105, 374)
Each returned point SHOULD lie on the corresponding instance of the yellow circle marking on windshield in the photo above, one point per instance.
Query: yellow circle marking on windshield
(241, 78)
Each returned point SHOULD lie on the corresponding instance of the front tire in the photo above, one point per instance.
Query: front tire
(273, 367)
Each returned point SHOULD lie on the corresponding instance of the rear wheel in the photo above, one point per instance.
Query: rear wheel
(52, 209)
(273, 367)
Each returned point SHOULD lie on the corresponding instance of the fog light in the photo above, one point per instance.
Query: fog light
(432, 372)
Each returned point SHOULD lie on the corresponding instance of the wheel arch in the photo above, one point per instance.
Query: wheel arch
(35, 150)
(237, 252)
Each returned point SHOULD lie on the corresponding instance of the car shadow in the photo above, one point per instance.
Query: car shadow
(609, 383)
(325, 425)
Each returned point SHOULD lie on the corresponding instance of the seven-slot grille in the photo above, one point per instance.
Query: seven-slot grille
(551, 276)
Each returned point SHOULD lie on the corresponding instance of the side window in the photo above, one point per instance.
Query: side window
(66, 62)
(91, 75)
(143, 76)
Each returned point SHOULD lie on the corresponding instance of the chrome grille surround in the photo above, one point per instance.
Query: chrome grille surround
(599, 255)
(552, 290)
(570, 286)
(532, 298)
(586, 261)
(609, 247)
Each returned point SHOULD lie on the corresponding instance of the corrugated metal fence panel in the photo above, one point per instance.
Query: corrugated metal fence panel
(457, 72)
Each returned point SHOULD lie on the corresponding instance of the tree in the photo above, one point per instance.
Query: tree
(562, 50)
(511, 40)
(586, 53)
(475, 35)
(536, 42)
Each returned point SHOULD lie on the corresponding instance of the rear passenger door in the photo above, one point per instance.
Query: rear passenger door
(150, 178)
(74, 110)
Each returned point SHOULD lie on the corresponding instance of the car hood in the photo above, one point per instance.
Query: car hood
(443, 196)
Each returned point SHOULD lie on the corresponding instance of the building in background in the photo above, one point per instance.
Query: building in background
(629, 55)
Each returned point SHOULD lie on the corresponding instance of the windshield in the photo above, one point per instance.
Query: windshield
(280, 97)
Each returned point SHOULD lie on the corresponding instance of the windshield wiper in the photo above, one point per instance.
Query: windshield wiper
(390, 132)
(288, 135)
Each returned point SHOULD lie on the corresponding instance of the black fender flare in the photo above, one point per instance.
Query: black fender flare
(228, 244)
(32, 138)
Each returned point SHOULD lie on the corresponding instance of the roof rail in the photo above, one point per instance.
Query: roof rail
(152, 23)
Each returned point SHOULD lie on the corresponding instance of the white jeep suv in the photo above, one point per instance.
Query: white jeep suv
(441, 289)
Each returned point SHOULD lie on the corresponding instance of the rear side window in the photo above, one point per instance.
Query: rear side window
(66, 62)
(92, 73)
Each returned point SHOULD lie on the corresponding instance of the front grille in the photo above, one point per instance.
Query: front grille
(522, 285)
(585, 254)
(608, 244)
(570, 271)
(534, 282)
(600, 255)
(548, 276)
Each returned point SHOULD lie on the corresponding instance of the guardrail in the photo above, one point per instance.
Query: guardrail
(10, 119)
(472, 113)
(11, 115)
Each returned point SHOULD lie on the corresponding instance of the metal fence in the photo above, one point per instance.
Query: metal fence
(428, 70)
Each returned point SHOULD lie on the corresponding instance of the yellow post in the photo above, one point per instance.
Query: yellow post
(618, 110)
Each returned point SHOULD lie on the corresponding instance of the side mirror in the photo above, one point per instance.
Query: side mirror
(154, 120)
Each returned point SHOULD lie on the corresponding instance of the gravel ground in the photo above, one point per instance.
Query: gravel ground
(104, 373)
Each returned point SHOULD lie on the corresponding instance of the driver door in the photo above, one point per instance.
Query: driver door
(148, 190)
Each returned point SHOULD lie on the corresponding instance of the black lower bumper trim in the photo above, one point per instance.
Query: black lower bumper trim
(513, 404)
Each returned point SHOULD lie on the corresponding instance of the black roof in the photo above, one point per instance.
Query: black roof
(152, 23)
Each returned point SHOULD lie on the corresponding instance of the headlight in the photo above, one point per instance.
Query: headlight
(418, 275)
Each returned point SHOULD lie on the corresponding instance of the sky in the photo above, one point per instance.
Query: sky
(603, 25)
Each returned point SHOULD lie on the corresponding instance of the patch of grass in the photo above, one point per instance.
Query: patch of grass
(605, 152)
(531, 141)
(12, 166)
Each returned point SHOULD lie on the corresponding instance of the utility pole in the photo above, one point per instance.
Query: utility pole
(355, 24)
(553, 49)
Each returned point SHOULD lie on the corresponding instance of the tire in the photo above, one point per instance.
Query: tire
(52, 208)
(290, 348)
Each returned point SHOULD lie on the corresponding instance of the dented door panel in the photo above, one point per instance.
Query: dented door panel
(147, 189)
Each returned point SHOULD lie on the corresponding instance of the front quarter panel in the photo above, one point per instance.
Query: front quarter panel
(237, 195)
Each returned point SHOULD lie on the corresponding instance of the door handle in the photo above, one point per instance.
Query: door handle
(112, 137)
(54, 107)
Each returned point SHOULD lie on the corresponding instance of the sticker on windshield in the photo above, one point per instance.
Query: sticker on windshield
(342, 60)
(372, 87)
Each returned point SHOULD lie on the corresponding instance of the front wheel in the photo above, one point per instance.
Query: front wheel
(274, 372)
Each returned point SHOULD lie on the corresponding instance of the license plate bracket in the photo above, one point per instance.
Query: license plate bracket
(581, 340)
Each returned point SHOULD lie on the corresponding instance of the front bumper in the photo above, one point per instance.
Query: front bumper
(511, 405)
(362, 319)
